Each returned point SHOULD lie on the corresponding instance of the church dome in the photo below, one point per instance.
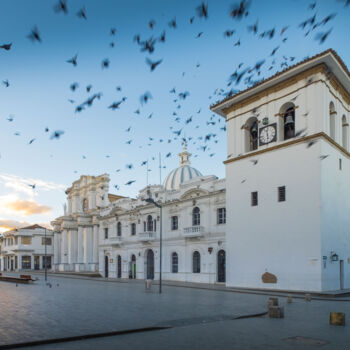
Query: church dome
(181, 174)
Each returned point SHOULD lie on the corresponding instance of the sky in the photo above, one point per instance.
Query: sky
(196, 59)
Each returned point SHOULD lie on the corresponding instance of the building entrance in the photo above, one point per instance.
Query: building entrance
(221, 266)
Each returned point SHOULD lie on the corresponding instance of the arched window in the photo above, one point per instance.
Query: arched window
(345, 132)
(133, 229)
(85, 204)
(174, 263)
(149, 223)
(332, 116)
(289, 123)
(251, 134)
(119, 229)
(196, 262)
(196, 217)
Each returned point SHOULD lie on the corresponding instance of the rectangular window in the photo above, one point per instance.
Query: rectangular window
(254, 198)
(174, 223)
(16, 240)
(340, 164)
(221, 216)
(154, 225)
(106, 232)
(26, 262)
(26, 240)
(48, 240)
(281, 193)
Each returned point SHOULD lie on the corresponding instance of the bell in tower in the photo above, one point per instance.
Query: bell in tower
(289, 123)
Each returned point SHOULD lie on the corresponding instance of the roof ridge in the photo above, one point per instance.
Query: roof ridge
(330, 50)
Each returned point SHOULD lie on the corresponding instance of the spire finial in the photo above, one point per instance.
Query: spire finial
(184, 155)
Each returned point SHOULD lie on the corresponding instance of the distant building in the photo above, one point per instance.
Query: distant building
(24, 249)
(119, 237)
(287, 179)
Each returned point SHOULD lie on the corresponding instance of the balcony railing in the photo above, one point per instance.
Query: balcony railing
(193, 231)
(115, 240)
(147, 236)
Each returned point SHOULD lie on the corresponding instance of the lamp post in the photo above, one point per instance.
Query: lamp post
(45, 260)
(150, 200)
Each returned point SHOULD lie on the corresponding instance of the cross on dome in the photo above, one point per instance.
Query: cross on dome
(184, 155)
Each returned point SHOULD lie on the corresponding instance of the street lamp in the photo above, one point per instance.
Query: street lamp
(150, 200)
(45, 258)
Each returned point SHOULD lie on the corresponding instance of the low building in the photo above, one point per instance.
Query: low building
(24, 249)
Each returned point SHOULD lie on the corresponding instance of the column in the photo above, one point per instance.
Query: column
(85, 244)
(55, 248)
(69, 246)
(80, 245)
(94, 245)
(64, 248)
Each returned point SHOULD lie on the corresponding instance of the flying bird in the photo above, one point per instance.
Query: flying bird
(56, 134)
(34, 35)
(322, 36)
(73, 60)
(202, 10)
(130, 182)
(6, 47)
(82, 13)
(61, 6)
(172, 23)
(145, 97)
(105, 63)
(153, 64)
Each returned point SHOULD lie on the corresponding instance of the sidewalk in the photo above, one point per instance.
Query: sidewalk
(326, 295)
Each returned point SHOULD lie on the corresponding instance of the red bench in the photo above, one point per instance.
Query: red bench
(25, 277)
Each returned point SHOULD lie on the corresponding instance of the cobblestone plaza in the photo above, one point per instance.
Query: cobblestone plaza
(198, 318)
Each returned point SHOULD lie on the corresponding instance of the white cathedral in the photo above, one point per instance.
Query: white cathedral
(119, 237)
(286, 196)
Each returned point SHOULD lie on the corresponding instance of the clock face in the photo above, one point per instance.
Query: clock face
(267, 134)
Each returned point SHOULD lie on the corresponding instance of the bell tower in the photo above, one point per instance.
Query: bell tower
(287, 171)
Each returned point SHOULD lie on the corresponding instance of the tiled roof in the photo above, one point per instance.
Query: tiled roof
(32, 227)
(340, 61)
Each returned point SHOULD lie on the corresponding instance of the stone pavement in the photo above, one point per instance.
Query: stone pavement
(200, 318)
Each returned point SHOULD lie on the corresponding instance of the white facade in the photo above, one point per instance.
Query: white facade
(296, 238)
(24, 249)
(120, 237)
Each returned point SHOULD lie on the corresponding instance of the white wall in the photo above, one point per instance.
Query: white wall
(335, 216)
(282, 238)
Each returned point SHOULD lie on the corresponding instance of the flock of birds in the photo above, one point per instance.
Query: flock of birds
(242, 76)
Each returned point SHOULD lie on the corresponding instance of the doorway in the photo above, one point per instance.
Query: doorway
(133, 266)
(221, 266)
(150, 264)
(341, 272)
(36, 262)
(106, 266)
(119, 275)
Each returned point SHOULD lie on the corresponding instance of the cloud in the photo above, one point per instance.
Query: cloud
(21, 184)
(6, 225)
(26, 207)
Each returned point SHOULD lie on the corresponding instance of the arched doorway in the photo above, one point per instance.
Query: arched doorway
(133, 266)
(221, 266)
(106, 266)
(119, 266)
(150, 264)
